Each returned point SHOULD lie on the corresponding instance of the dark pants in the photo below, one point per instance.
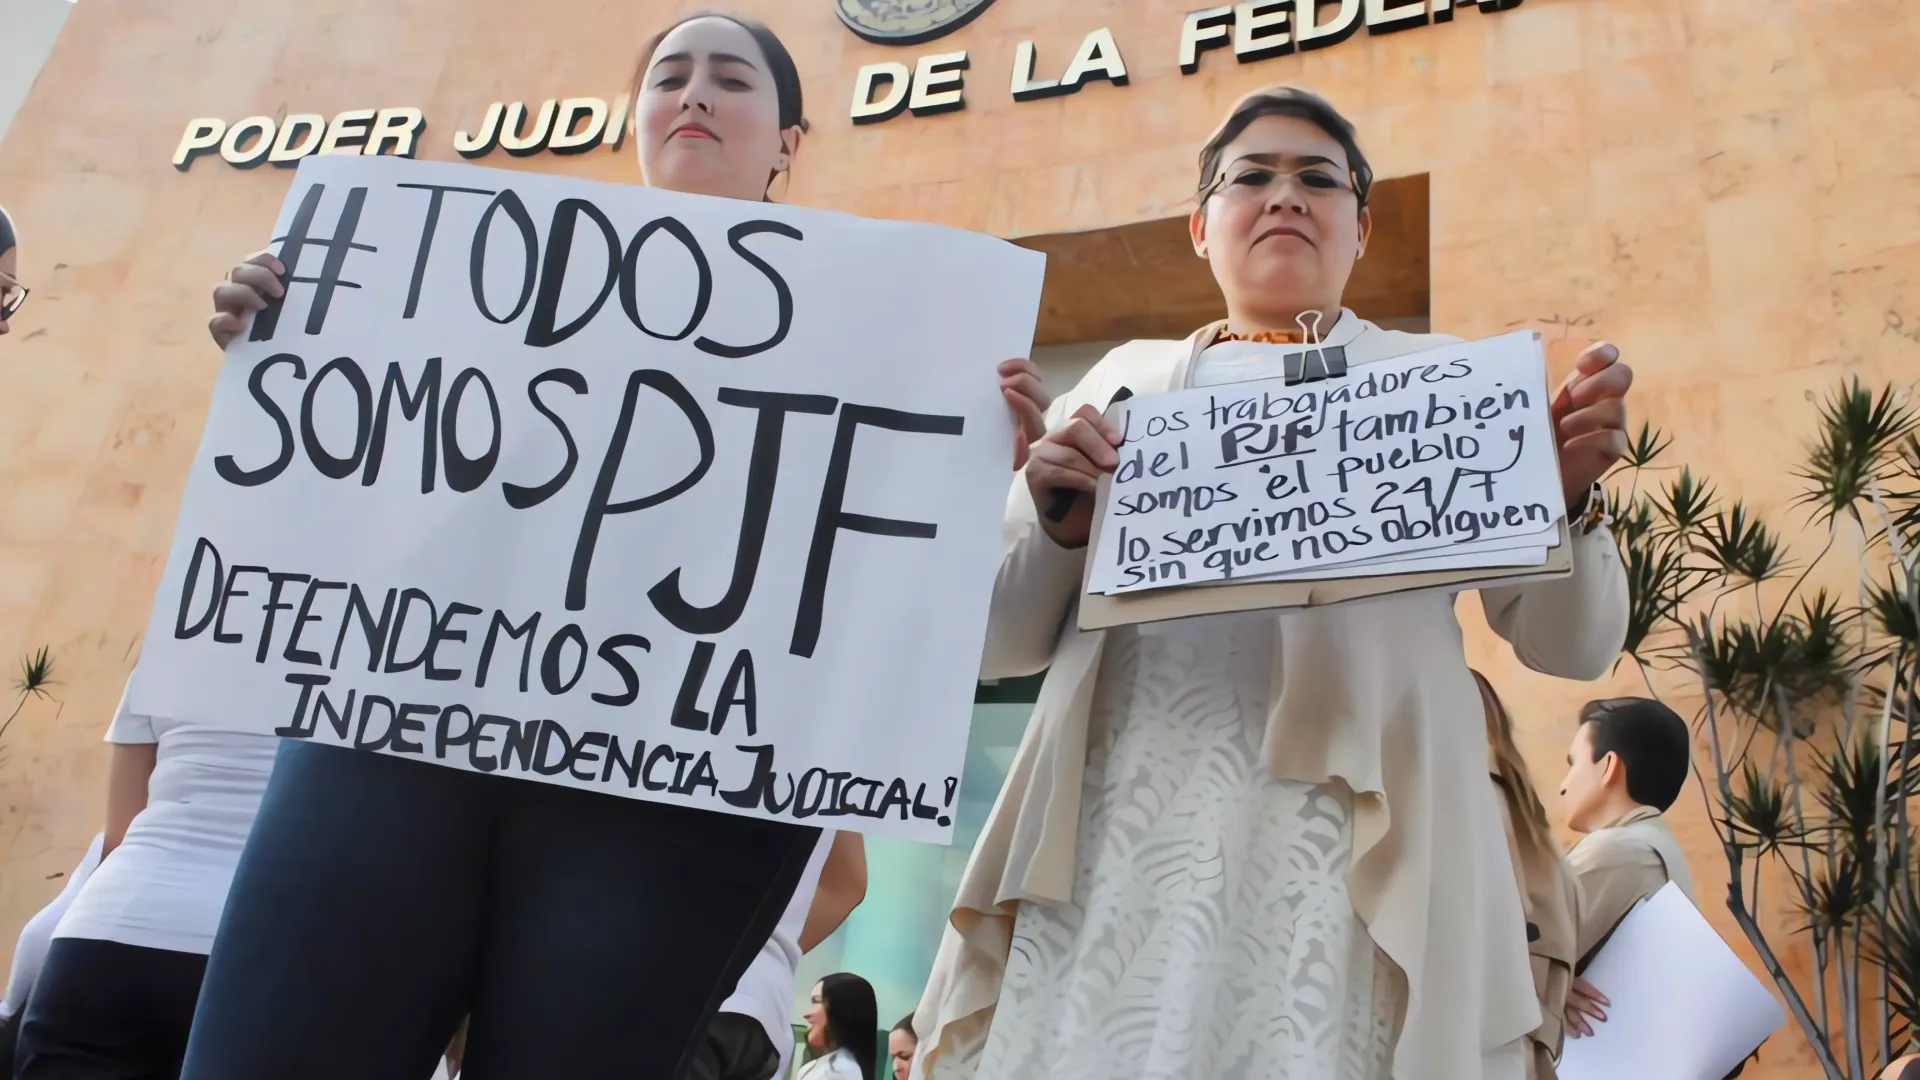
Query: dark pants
(106, 1011)
(380, 900)
(735, 1047)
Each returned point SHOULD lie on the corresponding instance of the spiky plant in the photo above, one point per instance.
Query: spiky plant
(1808, 704)
(36, 676)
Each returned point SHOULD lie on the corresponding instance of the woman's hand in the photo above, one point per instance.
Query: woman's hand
(248, 288)
(1584, 1001)
(1072, 456)
(1028, 400)
(1590, 420)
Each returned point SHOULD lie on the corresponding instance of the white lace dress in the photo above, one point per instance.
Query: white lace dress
(1210, 935)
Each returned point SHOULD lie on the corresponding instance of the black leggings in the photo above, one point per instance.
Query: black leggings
(106, 1011)
(380, 900)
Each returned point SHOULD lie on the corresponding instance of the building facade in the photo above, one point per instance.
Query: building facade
(1723, 188)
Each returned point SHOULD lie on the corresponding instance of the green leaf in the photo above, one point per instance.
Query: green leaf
(1860, 432)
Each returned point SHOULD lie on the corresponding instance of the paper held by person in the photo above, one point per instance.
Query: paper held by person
(1683, 1006)
(1448, 451)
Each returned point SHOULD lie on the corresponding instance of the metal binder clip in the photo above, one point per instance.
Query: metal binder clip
(1318, 361)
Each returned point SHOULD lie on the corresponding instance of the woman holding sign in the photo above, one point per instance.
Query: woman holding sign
(590, 936)
(1260, 844)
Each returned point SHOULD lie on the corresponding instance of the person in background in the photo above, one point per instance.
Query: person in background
(1549, 892)
(1627, 765)
(843, 1022)
(748, 1038)
(372, 884)
(1254, 845)
(30, 954)
(116, 997)
(901, 1043)
(12, 292)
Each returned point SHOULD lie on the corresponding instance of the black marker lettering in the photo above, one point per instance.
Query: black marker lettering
(501, 622)
(226, 596)
(465, 473)
(477, 260)
(301, 726)
(231, 472)
(551, 678)
(335, 468)
(275, 583)
(294, 654)
(407, 600)
(443, 631)
(434, 199)
(762, 473)
(553, 273)
(600, 505)
(523, 498)
(629, 274)
(629, 678)
(426, 395)
(201, 549)
(374, 631)
(783, 296)
(833, 516)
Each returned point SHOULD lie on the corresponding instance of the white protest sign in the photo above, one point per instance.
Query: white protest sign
(1444, 448)
(676, 498)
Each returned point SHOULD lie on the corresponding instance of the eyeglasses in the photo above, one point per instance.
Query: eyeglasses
(1258, 183)
(12, 295)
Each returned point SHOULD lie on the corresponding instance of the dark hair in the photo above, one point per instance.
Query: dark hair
(9, 239)
(852, 1018)
(1652, 742)
(906, 1025)
(786, 76)
(1300, 104)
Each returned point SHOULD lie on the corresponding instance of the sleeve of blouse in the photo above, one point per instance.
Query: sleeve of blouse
(1038, 578)
(1572, 627)
(128, 728)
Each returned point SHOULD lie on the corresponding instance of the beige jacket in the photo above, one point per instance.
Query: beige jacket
(1374, 694)
(1621, 864)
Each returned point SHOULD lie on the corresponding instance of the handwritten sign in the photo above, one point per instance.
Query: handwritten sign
(1445, 450)
(670, 497)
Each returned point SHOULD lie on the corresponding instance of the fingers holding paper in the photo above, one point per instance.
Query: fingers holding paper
(1072, 457)
(248, 288)
(1585, 1007)
(1590, 419)
(1027, 399)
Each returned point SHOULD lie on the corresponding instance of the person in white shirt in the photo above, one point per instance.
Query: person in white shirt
(748, 1039)
(31, 952)
(842, 1022)
(116, 996)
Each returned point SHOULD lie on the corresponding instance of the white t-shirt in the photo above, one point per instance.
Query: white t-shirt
(31, 953)
(838, 1065)
(166, 884)
(765, 991)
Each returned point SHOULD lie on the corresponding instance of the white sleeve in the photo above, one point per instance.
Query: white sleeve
(130, 729)
(31, 952)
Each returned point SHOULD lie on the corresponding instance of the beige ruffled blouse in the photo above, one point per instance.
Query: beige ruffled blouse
(1373, 693)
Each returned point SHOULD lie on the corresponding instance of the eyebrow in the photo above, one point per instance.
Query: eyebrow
(718, 58)
(1275, 158)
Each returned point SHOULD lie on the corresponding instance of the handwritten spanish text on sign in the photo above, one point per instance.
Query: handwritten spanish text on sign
(675, 498)
(1414, 455)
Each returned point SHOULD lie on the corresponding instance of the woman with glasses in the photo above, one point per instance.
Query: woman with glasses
(1262, 845)
(12, 293)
